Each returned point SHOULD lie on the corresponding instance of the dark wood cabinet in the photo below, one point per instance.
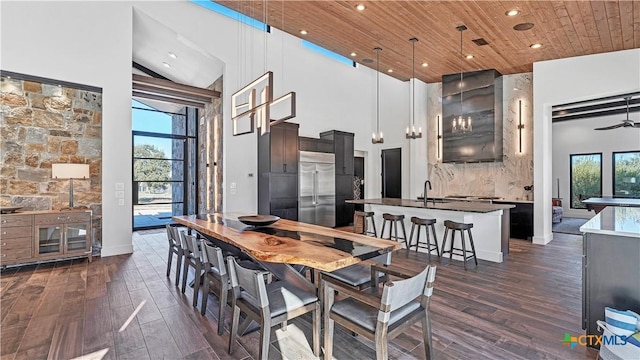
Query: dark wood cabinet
(278, 171)
(284, 148)
(343, 149)
(316, 145)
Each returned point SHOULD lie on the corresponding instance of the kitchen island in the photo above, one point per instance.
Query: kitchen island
(610, 264)
(490, 221)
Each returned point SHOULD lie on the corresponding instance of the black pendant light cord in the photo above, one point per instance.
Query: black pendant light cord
(378, 90)
(461, 76)
(413, 85)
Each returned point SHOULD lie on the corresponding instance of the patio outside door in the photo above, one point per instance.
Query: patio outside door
(164, 168)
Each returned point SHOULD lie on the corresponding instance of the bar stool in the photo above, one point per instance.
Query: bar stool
(455, 226)
(428, 224)
(393, 221)
(364, 215)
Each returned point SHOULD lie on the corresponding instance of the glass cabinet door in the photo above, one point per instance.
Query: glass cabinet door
(49, 240)
(77, 238)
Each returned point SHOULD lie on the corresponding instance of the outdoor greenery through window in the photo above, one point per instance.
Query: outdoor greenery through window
(586, 178)
(626, 174)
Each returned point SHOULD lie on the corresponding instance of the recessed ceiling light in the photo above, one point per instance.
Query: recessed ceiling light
(303, 32)
(360, 7)
(535, 46)
(172, 55)
(425, 64)
(513, 12)
(353, 54)
(167, 65)
(469, 57)
(390, 70)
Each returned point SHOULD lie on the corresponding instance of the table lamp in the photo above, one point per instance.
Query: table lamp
(70, 171)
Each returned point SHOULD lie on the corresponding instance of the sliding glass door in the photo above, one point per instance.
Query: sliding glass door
(164, 166)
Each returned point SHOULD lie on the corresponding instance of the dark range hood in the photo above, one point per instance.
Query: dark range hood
(481, 93)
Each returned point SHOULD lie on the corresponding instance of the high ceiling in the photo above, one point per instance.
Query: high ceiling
(564, 28)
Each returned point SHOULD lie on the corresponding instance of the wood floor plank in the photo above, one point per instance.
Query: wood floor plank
(98, 343)
(66, 342)
(39, 333)
(139, 354)
(184, 331)
(148, 310)
(127, 335)
(10, 338)
(118, 294)
(160, 342)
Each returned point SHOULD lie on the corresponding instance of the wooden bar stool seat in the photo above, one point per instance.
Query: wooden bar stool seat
(461, 227)
(393, 221)
(428, 224)
(364, 216)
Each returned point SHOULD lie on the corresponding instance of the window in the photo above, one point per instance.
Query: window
(164, 170)
(626, 174)
(328, 53)
(223, 10)
(586, 178)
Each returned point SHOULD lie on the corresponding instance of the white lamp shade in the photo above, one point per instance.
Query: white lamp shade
(70, 171)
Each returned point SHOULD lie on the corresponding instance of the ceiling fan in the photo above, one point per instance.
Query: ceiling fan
(625, 123)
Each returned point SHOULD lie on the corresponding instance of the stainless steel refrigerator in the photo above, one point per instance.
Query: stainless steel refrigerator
(317, 195)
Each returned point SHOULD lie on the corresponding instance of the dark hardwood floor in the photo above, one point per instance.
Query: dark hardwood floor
(519, 309)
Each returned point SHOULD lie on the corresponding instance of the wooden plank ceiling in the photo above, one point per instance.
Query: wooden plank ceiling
(564, 28)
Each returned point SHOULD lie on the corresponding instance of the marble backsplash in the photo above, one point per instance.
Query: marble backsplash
(505, 179)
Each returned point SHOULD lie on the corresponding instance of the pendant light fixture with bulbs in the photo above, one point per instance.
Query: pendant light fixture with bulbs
(411, 132)
(461, 124)
(377, 137)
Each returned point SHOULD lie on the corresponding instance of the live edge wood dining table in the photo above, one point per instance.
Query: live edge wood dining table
(282, 244)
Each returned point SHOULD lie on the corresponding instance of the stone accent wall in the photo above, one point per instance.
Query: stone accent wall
(504, 179)
(43, 124)
(210, 154)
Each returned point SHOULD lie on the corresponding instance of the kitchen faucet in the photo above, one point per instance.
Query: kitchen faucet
(425, 193)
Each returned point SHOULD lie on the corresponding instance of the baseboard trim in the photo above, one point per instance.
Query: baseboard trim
(116, 250)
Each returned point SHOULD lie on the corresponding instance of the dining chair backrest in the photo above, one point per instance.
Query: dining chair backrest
(212, 257)
(190, 243)
(401, 292)
(248, 284)
(172, 235)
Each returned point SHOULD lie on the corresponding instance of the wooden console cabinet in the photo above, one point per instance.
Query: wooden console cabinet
(35, 236)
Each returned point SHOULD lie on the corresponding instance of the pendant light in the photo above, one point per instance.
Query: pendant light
(461, 124)
(411, 130)
(377, 137)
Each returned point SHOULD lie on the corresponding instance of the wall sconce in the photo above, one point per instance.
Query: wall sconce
(439, 135)
(520, 126)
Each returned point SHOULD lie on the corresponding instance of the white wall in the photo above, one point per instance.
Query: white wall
(91, 43)
(565, 80)
(64, 41)
(578, 137)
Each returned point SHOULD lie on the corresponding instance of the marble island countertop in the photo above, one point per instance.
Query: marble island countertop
(615, 220)
(440, 204)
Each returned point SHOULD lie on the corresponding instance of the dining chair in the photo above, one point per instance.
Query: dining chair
(381, 316)
(192, 257)
(268, 304)
(357, 276)
(216, 271)
(175, 247)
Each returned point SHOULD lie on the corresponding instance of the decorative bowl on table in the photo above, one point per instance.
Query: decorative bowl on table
(258, 220)
(9, 209)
